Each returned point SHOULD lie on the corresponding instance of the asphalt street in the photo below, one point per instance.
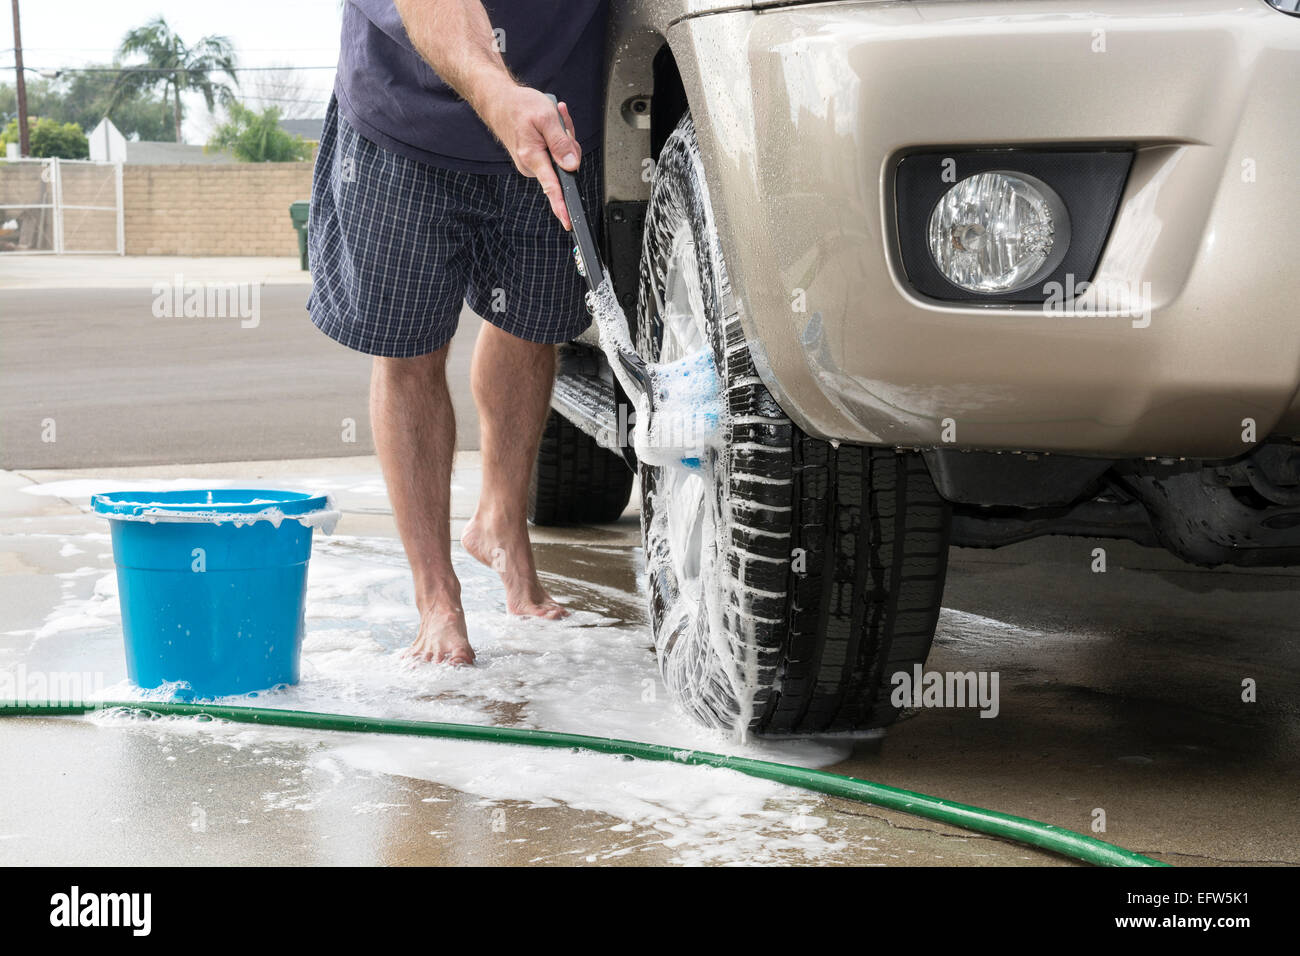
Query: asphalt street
(123, 386)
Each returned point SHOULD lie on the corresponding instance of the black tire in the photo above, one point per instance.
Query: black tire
(575, 480)
(777, 644)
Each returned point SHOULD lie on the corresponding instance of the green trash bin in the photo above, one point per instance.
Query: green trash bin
(300, 212)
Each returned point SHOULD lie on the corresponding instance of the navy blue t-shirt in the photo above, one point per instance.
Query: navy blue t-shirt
(393, 98)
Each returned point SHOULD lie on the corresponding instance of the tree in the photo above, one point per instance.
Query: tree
(83, 97)
(41, 100)
(257, 137)
(175, 67)
(49, 138)
(284, 88)
(89, 98)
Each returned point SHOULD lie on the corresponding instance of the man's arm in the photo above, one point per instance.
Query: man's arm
(455, 38)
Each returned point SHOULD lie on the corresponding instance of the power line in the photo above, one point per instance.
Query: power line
(178, 69)
(55, 72)
(284, 99)
(113, 50)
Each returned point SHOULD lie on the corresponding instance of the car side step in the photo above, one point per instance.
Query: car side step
(584, 392)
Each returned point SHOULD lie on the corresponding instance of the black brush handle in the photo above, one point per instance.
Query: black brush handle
(589, 258)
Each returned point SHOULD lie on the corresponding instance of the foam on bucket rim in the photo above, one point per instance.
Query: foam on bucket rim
(309, 510)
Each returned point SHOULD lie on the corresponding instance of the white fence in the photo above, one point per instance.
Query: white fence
(61, 205)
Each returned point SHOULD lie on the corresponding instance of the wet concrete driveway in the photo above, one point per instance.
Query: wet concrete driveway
(1121, 698)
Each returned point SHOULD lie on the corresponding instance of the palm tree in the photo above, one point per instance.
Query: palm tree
(177, 68)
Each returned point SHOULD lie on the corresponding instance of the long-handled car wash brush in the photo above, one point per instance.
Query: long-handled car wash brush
(679, 404)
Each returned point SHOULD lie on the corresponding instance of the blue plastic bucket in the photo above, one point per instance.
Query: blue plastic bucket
(212, 585)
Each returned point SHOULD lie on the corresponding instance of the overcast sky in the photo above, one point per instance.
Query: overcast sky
(67, 33)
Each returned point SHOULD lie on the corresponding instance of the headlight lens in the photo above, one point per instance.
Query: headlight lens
(998, 231)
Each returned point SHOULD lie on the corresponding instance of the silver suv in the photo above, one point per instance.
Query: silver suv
(971, 271)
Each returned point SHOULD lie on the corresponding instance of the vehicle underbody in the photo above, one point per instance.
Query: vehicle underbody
(1243, 512)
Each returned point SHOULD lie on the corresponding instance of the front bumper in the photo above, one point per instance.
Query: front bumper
(803, 113)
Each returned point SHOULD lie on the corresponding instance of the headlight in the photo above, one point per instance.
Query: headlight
(998, 231)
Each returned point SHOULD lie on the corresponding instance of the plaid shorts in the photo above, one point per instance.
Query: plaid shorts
(397, 245)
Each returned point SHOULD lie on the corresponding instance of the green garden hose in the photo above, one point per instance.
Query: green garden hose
(1031, 832)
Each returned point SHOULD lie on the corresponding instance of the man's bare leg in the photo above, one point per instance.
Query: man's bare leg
(511, 380)
(415, 437)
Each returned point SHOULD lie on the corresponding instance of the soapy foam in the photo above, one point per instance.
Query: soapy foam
(323, 518)
(707, 641)
(687, 419)
(592, 673)
(83, 489)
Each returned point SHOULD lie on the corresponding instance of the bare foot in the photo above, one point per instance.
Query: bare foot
(509, 553)
(442, 639)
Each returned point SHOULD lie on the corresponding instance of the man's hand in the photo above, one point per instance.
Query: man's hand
(455, 38)
(528, 126)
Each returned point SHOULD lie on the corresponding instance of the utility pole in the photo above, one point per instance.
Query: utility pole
(24, 146)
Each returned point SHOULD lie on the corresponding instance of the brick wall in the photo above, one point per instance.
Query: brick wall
(227, 209)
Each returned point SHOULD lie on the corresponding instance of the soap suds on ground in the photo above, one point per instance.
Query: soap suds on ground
(594, 673)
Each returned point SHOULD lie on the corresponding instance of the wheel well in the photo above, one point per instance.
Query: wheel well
(625, 219)
(668, 102)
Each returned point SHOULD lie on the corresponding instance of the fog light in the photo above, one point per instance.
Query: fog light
(998, 231)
